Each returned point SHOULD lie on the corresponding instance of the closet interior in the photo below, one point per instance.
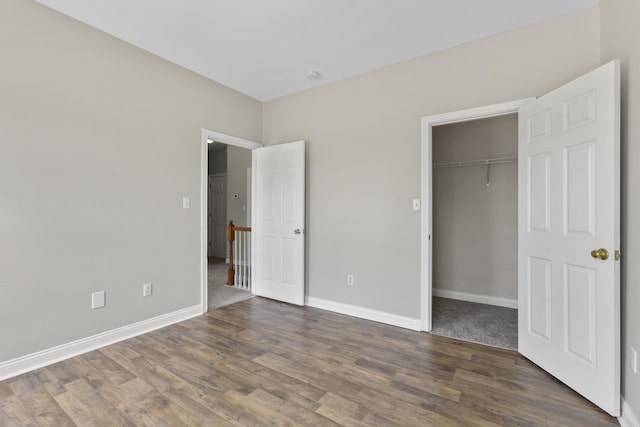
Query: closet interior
(475, 230)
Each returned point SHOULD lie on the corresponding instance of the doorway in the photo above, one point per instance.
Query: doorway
(568, 224)
(475, 230)
(225, 196)
(427, 249)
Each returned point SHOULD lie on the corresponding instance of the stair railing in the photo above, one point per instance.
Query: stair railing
(239, 273)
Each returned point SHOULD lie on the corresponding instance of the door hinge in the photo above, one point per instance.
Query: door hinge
(617, 255)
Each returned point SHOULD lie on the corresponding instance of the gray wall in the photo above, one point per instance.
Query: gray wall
(238, 160)
(363, 151)
(475, 227)
(99, 143)
(620, 29)
(217, 160)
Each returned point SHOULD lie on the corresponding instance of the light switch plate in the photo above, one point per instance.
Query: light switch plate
(416, 204)
(186, 203)
(146, 289)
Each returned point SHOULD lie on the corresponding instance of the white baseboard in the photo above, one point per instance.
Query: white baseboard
(628, 418)
(482, 299)
(27, 363)
(364, 313)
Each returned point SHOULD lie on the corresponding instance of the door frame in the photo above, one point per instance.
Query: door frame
(209, 135)
(426, 216)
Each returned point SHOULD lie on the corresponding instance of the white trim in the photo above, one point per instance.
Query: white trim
(51, 355)
(254, 186)
(204, 223)
(426, 215)
(364, 313)
(627, 418)
(209, 135)
(249, 206)
(482, 299)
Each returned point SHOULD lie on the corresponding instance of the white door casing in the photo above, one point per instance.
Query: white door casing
(569, 205)
(249, 195)
(278, 229)
(210, 136)
(428, 123)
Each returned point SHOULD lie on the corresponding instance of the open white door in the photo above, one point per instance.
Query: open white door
(278, 228)
(569, 206)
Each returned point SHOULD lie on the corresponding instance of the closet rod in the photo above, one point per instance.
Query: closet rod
(496, 161)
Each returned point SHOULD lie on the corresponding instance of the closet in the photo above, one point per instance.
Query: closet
(475, 230)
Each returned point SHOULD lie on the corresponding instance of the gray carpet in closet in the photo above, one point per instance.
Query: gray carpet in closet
(480, 323)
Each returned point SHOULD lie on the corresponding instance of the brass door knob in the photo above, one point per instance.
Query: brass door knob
(601, 253)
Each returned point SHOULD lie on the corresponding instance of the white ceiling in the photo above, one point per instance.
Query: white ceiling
(263, 48)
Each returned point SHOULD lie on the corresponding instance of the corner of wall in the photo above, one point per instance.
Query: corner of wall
(628, 417)
(618, 26)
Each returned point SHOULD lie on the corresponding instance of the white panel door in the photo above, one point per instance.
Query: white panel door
(569, 206)
(279, 222)
(218, 213)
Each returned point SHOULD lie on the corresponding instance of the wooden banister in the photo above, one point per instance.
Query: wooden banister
(231, 237)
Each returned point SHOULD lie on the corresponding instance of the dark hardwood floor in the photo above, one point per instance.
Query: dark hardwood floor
(260, 362)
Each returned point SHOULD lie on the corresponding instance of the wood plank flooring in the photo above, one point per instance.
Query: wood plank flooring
(264, 363)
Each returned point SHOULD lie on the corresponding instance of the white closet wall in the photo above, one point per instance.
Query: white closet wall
(474, 225)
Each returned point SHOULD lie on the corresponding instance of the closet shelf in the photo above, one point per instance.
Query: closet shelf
(482, 162)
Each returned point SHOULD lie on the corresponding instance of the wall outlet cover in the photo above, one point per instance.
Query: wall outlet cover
(97, 300)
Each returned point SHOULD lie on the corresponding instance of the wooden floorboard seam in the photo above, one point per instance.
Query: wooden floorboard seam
(263, 363)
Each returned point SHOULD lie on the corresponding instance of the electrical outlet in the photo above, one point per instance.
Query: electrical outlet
(146, 289)
(97, 300)
(634, 360)
(350, 279)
